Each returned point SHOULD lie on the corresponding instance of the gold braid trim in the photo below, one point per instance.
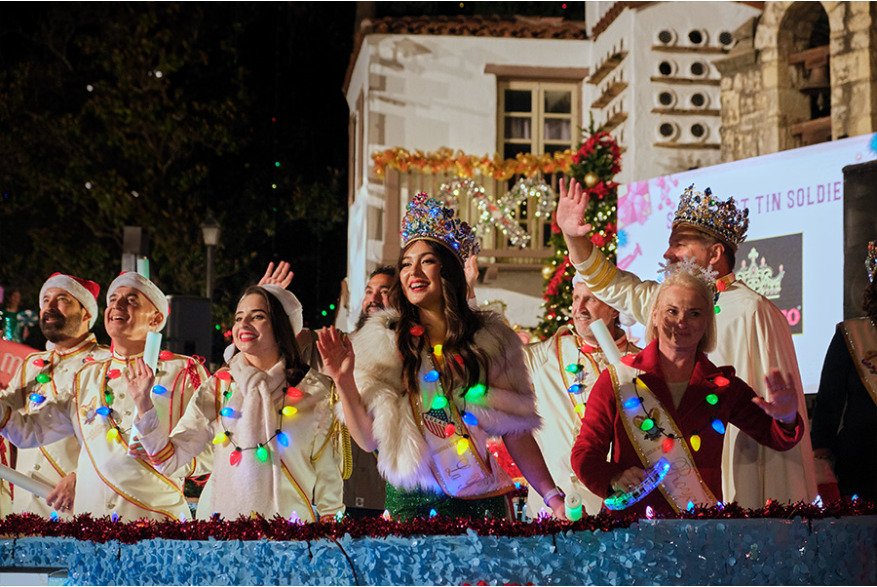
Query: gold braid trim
(338, 434)
(346, 453)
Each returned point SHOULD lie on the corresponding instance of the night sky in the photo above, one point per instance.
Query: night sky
(252, 99)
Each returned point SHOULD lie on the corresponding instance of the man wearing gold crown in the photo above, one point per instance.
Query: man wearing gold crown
(845, 415)
(753, 335)
(112, 464)
(68, 311)
(564, 368)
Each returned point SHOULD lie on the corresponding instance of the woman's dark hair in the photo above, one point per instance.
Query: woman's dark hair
(296, 368)
(462, 323)
(869, 300)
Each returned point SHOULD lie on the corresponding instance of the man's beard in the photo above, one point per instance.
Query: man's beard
(62, 328)
(364, 315)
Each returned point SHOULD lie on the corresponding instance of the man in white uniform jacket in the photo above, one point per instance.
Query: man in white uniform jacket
(68, 311)
(564, 368)
(114, 473)
(753, 335)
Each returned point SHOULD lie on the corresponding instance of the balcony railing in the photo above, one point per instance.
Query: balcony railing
(495, 246)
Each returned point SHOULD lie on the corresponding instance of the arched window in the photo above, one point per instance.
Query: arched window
(804, 68)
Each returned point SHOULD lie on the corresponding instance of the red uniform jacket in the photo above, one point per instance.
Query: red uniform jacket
(602, 427)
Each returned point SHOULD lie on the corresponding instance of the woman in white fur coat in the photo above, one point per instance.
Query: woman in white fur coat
(276, 443)
(434, 378)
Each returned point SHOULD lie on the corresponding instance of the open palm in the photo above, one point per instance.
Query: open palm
(783, 403)
(337, 353)
(281, 275)
(571, 208)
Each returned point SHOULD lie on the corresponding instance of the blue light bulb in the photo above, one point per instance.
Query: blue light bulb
(718, 426)
(103, 411)
(282, 439)
(431, 376)
(631, 403)
(469, 419)
(227, 412)
(159, 389)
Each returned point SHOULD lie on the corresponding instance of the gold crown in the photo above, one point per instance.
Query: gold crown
(427, 219)
(715, 217)
(760, 278)
(871, 260)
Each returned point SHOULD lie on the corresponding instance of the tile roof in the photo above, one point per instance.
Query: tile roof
(520, 27)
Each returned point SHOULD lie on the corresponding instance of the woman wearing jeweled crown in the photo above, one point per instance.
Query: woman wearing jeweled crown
(275, 439)
(845, 416)
(669, 401)
(434, 379)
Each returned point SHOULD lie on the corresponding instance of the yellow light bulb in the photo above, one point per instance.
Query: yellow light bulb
(462, 445)
(289, 410)
(113, 434)
(220, 438)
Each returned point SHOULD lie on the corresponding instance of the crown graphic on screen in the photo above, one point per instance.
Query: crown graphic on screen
(760, 277)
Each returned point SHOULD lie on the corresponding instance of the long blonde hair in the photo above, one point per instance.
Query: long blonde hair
(687, 274)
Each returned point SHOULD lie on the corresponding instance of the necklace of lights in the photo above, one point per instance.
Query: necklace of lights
(108, 396)
(226, 436)
(577, 388)
(47, 367)
(722, 285)
(440, 401)
(652, 431)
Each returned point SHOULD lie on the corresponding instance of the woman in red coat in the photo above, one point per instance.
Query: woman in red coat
(669, 402)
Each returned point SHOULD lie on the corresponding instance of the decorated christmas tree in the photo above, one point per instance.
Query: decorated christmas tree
(595, 163)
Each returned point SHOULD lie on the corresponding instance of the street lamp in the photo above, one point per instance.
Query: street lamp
(210, 230)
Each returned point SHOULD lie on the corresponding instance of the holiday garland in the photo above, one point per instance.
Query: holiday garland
(594, 164)
(461, 164)
(85, 527)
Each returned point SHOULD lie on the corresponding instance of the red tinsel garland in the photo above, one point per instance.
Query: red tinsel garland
(84, 527)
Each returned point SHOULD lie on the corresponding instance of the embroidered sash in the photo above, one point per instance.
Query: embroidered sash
(683, 483)
(861, 338)
(467, 475)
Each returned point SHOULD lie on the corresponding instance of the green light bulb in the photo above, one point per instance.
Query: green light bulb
(262, 453)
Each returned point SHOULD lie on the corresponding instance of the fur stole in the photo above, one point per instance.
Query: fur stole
(403, 453)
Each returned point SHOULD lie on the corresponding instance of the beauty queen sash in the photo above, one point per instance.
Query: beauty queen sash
(463, 468)
(860, 335)
(636, 404)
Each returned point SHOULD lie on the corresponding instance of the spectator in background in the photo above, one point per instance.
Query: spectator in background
(16, 322)
(845, 414)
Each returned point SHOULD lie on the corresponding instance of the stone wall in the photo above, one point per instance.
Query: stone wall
(758, 97)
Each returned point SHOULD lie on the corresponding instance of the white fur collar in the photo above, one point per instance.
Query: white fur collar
(403, 454)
